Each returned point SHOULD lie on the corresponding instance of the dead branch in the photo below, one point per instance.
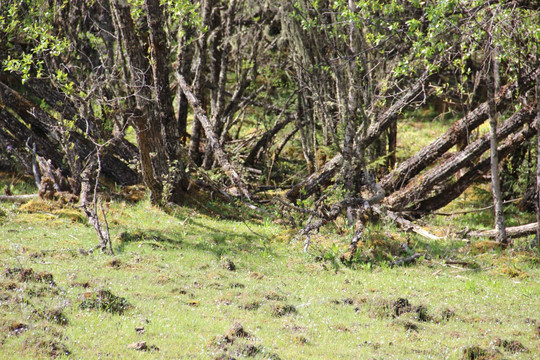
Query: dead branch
(212, 138)
(405, 224)
(515, 231)
(18, 198)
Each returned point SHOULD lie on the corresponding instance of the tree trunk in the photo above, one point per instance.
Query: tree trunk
(169, 127)
(213, 140)
(538, 160)
(429, 154)
(493, 86)
(146, 121)
(200, 69)
(417, 190)
(452, 191)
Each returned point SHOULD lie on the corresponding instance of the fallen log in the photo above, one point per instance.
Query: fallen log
(408, 169)
(420, 188)
(405, 261)
(450, 192)
(18, 198)
(405, 224)
(515, 231)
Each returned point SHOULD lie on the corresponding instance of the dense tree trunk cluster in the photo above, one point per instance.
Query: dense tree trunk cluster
(301, 95)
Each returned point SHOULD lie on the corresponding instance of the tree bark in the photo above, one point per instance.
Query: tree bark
(538, 160)
(408, 169)
(452, 191)
(147, 125)
(213, 139)
(514, 231)
(418, 189)
(493, 85)
(169, 127)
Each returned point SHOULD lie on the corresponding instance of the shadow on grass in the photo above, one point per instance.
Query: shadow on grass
(206, 238)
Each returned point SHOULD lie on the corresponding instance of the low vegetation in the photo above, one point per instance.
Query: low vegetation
(210, 284)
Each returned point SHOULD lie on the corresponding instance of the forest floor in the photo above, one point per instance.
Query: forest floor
(210, 280)
(209, 284)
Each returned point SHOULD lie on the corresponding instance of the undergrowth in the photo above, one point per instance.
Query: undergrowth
(220, 284)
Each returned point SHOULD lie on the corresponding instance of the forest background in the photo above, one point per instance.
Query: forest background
(363, 132)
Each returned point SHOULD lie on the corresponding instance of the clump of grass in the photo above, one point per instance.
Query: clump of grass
(49, 347)
(237, 343)
(55, 315)
(104, 300)
(475, 352)
(513, 346)
(399, 307)
(279, 310)
(228, 264)
(26, 275)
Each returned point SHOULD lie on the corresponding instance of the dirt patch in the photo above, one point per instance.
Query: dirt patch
(26, 275)
(475, 352)
(142, 346)
(447, 314)
(400, 307)
(9, 285)
(104, 300)
(236, 285)
(274, 296)
(346, 301)
(238, 343)
(256, 276)
(17, 327)
(513, 346)
(280, 310)
(56, 316)
(114, 263)
(51, 348)
(422, 313)
(228, 264)
(252, 305)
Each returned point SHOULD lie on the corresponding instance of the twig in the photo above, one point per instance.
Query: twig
(473, 210)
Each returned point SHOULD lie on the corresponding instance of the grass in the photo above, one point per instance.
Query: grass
(193, 286)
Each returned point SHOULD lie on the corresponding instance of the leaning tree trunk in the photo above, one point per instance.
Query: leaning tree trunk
(213, 140)
(450, 192)
(538, 160)
(493, 84)
(411, 167)
(420, 187)
(146, 122)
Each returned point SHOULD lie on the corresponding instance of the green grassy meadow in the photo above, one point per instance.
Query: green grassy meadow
(194, 285)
